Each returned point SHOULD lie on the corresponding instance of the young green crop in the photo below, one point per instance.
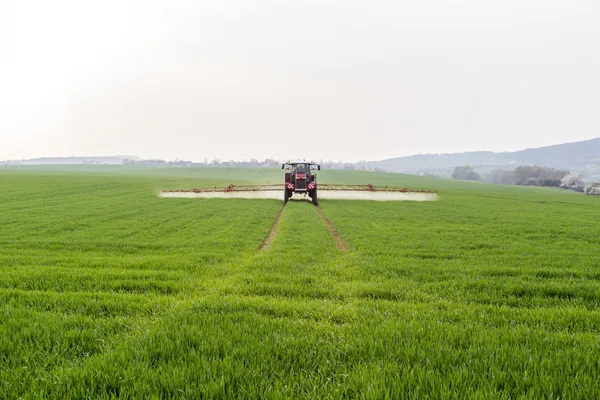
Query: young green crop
(107, 290)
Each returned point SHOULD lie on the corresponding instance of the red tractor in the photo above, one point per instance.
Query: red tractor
(300, 179)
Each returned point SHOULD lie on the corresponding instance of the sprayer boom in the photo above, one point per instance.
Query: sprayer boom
(321, 186)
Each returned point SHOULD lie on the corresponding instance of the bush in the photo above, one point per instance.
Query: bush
(572, 182)
(549, 182)
(593, 189)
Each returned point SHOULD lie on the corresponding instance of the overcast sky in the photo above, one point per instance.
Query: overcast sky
(343, 80)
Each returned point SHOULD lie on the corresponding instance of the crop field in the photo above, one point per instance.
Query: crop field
(108, 290)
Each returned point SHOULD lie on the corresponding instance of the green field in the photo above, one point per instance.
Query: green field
(107, 290)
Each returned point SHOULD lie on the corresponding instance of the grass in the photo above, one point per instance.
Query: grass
(107, 290)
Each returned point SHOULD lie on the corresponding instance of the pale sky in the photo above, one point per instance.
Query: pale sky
(343, 80)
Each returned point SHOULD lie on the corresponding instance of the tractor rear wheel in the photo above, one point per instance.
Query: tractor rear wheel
(313, 196)
(286, 195)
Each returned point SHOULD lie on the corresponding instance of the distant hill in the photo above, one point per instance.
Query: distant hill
(570, 156)
(73, 160)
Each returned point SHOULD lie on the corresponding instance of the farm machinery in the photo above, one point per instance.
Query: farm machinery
(300, 179)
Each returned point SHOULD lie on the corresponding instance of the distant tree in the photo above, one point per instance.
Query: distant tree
(544, 176)
(573, 182)
(593, 189)
(465, 173)
(502, 176)
(272, 162)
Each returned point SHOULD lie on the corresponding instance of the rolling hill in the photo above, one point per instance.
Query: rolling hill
(571, 156)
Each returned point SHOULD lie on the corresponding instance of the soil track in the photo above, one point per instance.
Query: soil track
(338, 239)
(342, 246)
(273, 232)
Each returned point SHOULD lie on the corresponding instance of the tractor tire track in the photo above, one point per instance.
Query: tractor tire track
(342, 246)
(273, 233)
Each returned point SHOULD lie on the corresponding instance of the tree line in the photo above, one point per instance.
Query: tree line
(530, 175)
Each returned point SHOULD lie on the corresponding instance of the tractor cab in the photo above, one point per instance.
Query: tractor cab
(301, 168)
(300, 171)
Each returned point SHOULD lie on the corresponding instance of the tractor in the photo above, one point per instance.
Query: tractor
(300, 179)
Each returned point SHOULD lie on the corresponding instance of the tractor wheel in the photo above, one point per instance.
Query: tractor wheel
(286, 196)
(313, 195)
